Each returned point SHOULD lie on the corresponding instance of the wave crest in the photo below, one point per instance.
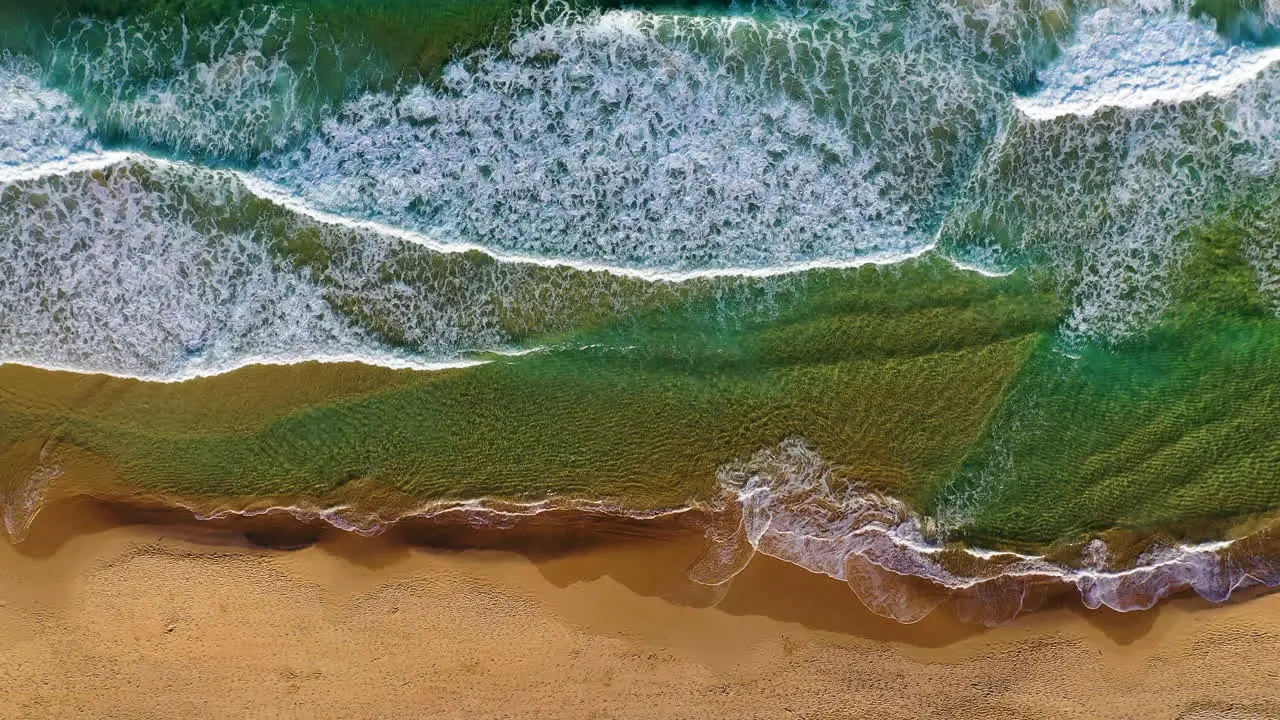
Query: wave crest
(660, 141)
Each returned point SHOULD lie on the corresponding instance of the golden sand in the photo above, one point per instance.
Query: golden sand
(107, 617)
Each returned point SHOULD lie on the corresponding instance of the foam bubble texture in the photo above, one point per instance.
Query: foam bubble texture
(225, 90)
(446, 304)
(37, 124)
(657, 141)
(1122, 58)
(165, 270)
(648, 140)
(117, 271)
(1106, 200)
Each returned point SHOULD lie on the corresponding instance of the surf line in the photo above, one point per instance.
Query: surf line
(288, 200)
(384, 360)
(350, 518)
(1038, 107)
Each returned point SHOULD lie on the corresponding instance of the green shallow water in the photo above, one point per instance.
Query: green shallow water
(892, 372)
(940, 386)
(1172, 430)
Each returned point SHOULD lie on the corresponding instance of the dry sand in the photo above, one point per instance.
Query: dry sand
(105, 617)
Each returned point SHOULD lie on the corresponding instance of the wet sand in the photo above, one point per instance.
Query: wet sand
(113, 613)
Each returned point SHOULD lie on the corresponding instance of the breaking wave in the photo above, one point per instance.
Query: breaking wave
(123, 264)
(125, 270)
(670, 147)
(250, 83)
(1147, 126)
(597, 140)
(790, 503)
(37, 124)
(1123, 59)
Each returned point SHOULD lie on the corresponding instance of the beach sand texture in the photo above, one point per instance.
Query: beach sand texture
(107, 616)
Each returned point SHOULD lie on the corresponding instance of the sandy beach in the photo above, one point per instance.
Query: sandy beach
(115, 614)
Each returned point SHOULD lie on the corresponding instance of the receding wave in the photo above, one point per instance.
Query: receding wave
(790, 503)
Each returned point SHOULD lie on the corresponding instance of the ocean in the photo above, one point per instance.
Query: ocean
(951, 301)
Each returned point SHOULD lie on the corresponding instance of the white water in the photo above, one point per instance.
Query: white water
(608, 140)
(625, 152)
(790, 503)
(110, 275)
(1120, 204)
(108, 267)
(1108, 199)
(1127, 59)
(37, 125)
(225, 89)
(291, 201)
(670, 148)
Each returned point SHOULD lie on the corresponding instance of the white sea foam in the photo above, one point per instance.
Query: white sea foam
(379, 358)
(675, 147)
(621, 150)
(296, 204)
(227, 89)
(112, 270)
(72, 164)
(1107, 200)
(639, 140)
(132, 266)
(1127, 59)
(607, 140)
(112, 273)
(352, 517)
(37, 125)
(790, 503)
(115, 271)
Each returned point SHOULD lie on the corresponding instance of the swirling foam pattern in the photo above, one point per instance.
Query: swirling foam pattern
(119, 270)
(37, 124)
(1106, 170)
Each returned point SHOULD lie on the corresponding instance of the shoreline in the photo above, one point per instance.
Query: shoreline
(116, 612)
(994, 588)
